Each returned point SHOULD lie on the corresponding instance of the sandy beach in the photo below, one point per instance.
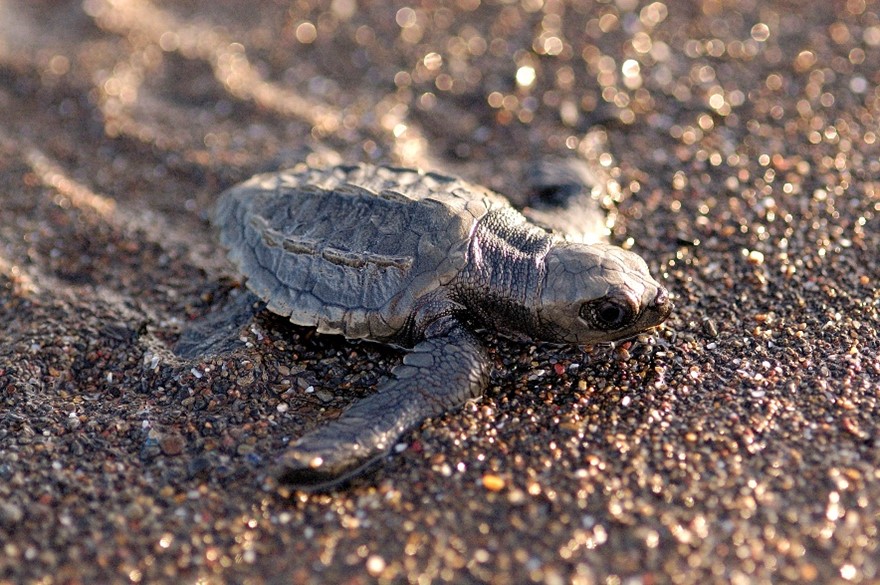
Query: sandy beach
(737, 443)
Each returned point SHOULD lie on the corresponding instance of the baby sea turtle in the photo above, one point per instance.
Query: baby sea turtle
(418, 260)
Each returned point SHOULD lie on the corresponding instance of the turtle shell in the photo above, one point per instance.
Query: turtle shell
(350, 249)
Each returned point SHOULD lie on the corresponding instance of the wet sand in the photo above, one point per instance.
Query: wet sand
(738, 443)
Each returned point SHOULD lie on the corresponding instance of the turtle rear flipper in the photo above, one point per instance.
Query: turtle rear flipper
(219, 332)
(440, 374)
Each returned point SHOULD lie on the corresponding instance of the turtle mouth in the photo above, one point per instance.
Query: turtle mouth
(658, 310)
(653, 314)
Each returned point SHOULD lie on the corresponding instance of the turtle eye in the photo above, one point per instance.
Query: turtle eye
(608, 314)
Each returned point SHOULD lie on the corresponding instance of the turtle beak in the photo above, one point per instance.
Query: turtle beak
(659, 309)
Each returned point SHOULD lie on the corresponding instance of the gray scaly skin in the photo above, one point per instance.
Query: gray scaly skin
(418, 260)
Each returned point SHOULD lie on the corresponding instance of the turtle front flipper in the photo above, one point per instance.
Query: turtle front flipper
(565, 193)
(440, 374)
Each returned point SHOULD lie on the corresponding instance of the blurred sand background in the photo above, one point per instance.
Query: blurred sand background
(737, 444)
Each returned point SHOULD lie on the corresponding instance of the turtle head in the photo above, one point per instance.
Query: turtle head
(595, 293)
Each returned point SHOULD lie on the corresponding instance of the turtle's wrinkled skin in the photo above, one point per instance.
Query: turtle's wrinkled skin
(418, 260)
